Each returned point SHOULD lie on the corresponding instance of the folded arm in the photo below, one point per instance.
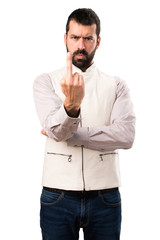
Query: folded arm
(118, 135)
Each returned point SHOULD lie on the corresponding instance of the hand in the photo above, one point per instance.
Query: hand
(44, 133)
(72, 86)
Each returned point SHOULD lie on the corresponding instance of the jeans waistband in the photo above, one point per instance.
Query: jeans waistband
(81, 194)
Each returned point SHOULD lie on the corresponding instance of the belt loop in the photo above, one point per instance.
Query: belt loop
(99, 193)
(62, 194)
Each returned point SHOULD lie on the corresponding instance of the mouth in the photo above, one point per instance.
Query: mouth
(80, 56)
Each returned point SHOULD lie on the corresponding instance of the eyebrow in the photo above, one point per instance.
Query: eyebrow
(73, 35)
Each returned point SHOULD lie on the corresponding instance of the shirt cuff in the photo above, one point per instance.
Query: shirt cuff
(67, 120)
(80, 138)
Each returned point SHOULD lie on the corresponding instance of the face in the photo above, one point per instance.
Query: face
(81, 41)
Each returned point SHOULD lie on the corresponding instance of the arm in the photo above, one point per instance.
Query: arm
(118, 135)
(51, 112)
(59, 120)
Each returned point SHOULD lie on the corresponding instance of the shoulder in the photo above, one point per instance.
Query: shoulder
(46, 79)
(109, 80)
(42, 80)
(58, 74)
(122, 87)
(106, 79)
(117, 82)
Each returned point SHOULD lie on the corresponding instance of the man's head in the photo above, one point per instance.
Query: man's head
(82, 36)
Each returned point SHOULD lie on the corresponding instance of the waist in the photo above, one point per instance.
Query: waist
(81, 194)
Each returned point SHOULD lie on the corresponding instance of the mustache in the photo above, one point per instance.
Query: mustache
(80, 52)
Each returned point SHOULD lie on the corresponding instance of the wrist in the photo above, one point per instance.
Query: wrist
(74, 113)
(72, 110)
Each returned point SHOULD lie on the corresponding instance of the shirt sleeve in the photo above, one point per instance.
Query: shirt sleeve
(121, 131)
(51, 112)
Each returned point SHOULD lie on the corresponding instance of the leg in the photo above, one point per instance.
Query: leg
(56, 219)
(105, 217)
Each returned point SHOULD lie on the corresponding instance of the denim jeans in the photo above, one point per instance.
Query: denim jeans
(62, 216)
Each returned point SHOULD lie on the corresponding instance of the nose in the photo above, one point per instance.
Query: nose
(81, 44)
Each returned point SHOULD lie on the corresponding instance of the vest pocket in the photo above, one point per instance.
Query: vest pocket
(105, 154)
(61, 154)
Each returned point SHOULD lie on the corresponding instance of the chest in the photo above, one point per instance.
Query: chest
(100, 95)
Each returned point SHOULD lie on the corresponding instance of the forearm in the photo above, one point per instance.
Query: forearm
(60, 126)
(105, 138)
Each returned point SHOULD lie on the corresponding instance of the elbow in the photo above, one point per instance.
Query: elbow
(129, 140)
(128, 144)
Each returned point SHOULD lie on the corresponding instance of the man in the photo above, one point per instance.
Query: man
(87, 116)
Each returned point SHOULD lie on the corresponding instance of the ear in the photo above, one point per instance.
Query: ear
(65, 39)
(98, 42)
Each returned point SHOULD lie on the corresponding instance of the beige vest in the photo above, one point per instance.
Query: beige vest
(78, 168)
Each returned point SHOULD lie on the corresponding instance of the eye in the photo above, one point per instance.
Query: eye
(74, 37)
(88, 38)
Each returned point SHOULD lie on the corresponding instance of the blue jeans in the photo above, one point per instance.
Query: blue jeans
(62, 216)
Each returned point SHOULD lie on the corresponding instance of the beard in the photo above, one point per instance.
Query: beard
(84, 63)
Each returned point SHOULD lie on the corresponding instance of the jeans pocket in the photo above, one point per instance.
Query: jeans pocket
(112, 199)
(50, 198)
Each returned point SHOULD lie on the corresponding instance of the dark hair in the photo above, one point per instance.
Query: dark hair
(86, 17)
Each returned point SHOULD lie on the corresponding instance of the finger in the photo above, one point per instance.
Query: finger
(62, 81)
(69, 66)
(76, 79)
(81, 80)
(43, 132)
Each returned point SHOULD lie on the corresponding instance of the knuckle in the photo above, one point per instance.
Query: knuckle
(70, 84)
(62, 82)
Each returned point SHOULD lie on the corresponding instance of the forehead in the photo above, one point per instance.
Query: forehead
(79, 29)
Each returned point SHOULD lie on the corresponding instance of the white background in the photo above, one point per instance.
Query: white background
(31, 43)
